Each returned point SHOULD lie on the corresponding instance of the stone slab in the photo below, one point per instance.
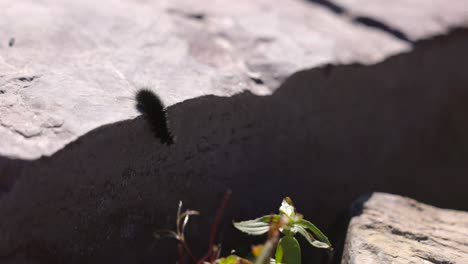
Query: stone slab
(400, 127)
(415, 18)
(327, 134)
(75, 66)
(394, 229)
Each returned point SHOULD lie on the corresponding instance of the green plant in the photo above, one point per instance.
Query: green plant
(289, 223)
(214, 250)
(286, 249)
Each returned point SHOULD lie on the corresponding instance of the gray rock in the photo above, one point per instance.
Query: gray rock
(75, 65)
(415, 19)
(317, 138)
(394, 229)
(250, 102)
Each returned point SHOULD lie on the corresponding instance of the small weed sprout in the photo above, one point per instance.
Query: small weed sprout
(286, 249)
(289, 223)
(181, 222)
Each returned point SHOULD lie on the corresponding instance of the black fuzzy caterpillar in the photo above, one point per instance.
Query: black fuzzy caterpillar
(149, 104)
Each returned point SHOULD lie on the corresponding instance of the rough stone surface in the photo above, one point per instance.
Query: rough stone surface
(416, 18)
(316, 138)
(394, 229)
(75, 65)
(324, 134)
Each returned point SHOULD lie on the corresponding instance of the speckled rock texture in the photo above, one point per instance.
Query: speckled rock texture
(394, 229)
(73, 66)
(76, 65)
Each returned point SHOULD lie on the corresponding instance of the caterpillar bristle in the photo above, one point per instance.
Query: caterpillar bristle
(149, 104)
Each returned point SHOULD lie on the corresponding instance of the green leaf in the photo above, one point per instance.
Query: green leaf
(287, 208)
(301, 230)
(279, 254)
(257, 226)
(317, 233)
(232, 259)
(253, 227)
(288, 251)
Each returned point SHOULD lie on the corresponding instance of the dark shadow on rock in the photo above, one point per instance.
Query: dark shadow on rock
(364, 20)
(10, 169)
(398, 126)
(337, 232)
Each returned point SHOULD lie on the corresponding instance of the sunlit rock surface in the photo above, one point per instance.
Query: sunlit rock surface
(75, 65)
(265, 98)
(394, 229)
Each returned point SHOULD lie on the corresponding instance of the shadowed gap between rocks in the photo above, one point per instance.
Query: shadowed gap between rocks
(325, 137)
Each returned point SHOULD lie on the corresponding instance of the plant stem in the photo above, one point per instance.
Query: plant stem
(189, 252)
(214, 228)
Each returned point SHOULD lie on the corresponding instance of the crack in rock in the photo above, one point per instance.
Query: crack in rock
(27, 78)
